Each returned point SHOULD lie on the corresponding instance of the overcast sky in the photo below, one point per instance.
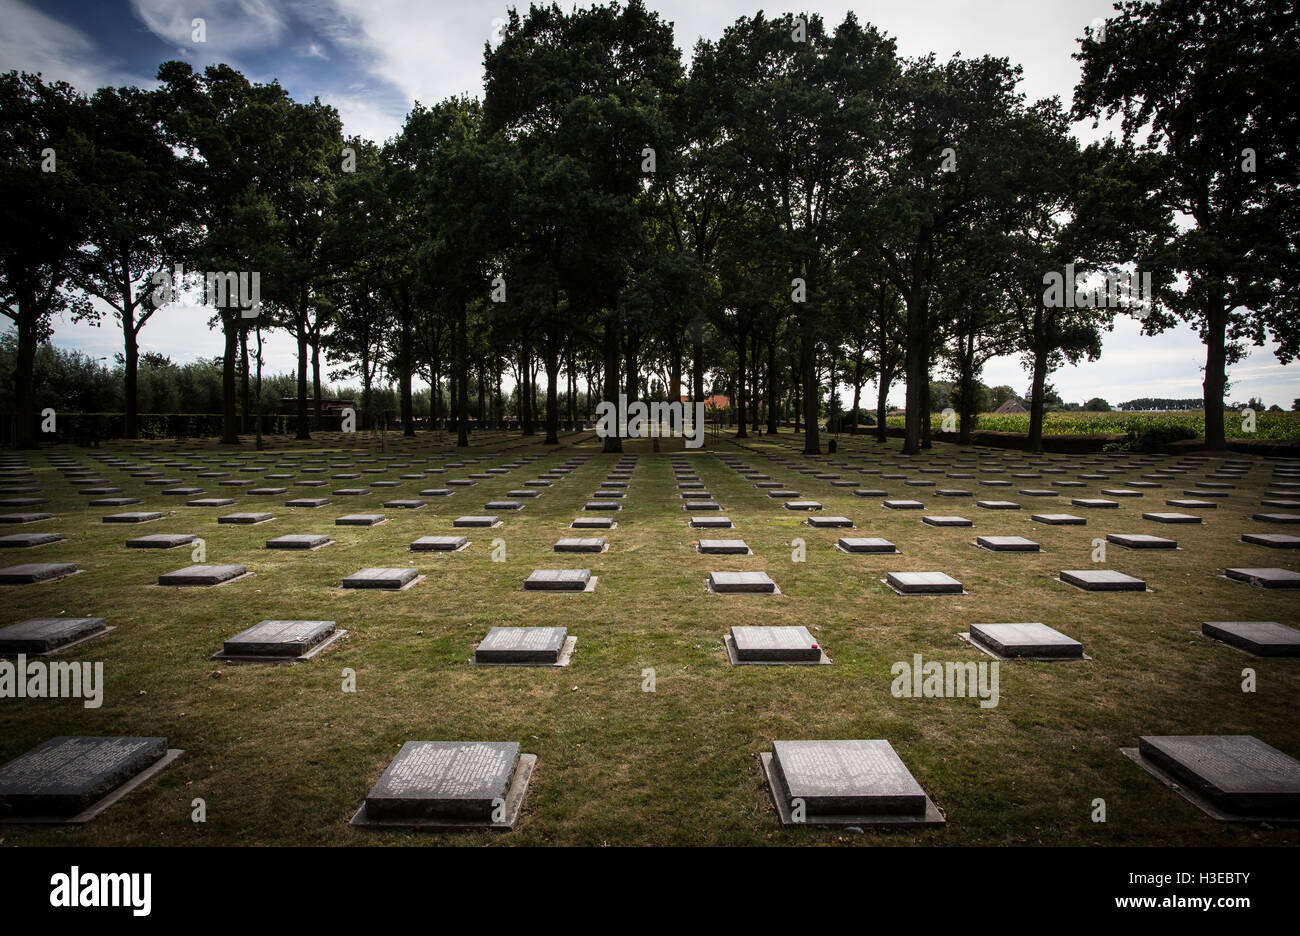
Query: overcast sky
(372, 58)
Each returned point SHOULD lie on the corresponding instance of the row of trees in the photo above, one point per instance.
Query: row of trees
(805, 210)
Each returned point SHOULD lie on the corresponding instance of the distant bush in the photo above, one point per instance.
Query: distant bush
(1097, 405)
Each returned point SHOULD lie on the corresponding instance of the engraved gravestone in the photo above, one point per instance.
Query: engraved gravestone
(1026, 640)
(65, 775)
(783, 644)
(924, 583)
(439, 543)
(380, 578)
(846, 778)
(42, 635)
(299, 541)
(1262, 638)
(160, 541)
(522, 645)
(866, 544)
(1265, 578)
(444, 779)
(201, 575)
(279, 639)
(741, 582)
(558, 580)
(32, 572)
(1238, 773)
(1102, 580)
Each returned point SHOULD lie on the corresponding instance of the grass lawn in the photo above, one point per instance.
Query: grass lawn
(282, 755)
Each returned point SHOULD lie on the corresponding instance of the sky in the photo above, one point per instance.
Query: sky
(372, 59)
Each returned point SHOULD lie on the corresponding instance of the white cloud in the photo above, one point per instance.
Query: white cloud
(229, 25)
(34, 42)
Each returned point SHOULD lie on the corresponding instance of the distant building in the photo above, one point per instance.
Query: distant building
(716, 402)
(1011, 406)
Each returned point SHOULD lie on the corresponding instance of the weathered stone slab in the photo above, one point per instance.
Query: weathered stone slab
(1035, 640)
(67, 775)
(785, 644)
(826, 523)
(453, 780)
(299, 541)
(866, 544)
(1007, 543)
(838, 778)
(711, 523)
(522, 645)
(741, 582)
(27, 540)
(44, 635)
(803, 505)
(311, 503)
(1102, 580)
(1262, 638)
(1058, 519)
(26, 517)
(279, 639)
(1140, 541)
(901, 504)
(161, 541)
(33, 572)
(1165, 517)
(997, 505)
(558, 580)
(246, 519)
(1272, 540)
(440, 543)
(390, 579)
(476, 521)
(359, 520)
(1276, 517)
(723, 547)
(1236, 773)
(946, 521)
(210, 502)
(580, 544)
(924, 583)
(1265, 578)
(202, 575)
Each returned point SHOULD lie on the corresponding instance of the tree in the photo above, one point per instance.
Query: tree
(43, 222)
(1207, 87)
(1097, 405)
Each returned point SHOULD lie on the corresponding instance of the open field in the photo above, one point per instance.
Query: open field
(1267, 425)
(282, 755)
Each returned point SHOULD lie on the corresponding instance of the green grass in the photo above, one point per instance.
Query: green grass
(282, 756)
(1272, 426)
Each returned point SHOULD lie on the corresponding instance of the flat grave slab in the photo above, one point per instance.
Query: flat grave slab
(307, 541)
(201, 576)
(845, 783)
(702, 505)
(593, 523)
(783, 644)
(440, 543)
(70, 780)
(711, 523)
(404, 504)
(476, 521)
(997, 505)
(569, 580)
(267, 491)
(782, 493)
(311, 503)
(946, 521)
(725, 583)
(723, 547)
(1007, 544)
(923, 583)
(870, 492)
(161, 541)
(1272, 540)
(827, 523)
(247, 519)
(527, 645)
(803, 505)
(1102, 580)
(437, 492)
(902, 504)
(1262, 638)
(1140, 541)
(1276, 517)
(1058, 519)
(23, 501)
(449, 785)
(1235, 778)
(1265, 578)
(45, 635)
(210, 502)
(579, 544)
(27, 540)
(279, 641)
(1187, 504)
(26, 517)
(1166, 517)
(359, 520)
(865, 544)
(383, 579)
(31, 573)
(1094, 503)
(602, 505)
(1025, 640)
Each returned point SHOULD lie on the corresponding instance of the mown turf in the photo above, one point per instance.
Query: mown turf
(282, 755)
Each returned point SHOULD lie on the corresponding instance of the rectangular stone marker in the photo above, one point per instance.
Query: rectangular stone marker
(452, 780)
(924, 583)
(359, 520)
(279, 639)
(741, 582)
(404, 504)
(946, 521)
(1007, 543)
(702, 505)
(997, 505)
(479, 521)
(1239, 774)
(723, 547)
(869, 492)
(522, 645)
(299, 541)
(32, 572)
(558, 580)
(845, 778)
(903, 505)
(1102, 580)
(67, 775)
(866, 544)
(351, 492)
(437, 492)
(23, 501)
(1038, 492)
(826, 523)
(210, 502)
(439, 543)
(1262, 638)
(789, 644)
(1265, 578)
(187, 491)
(711, 523)
(267, 491)
(503, 505)
(202, 575)
(309, 502)
(43, 635)
(580, 544)
(27, 540)
(782, 493)
(1272, 540)
(392, 579)
(1162, 517)
(1058, 519)
(1034, 640)
(161, 541)
(592, 523)
(1140, 541)
(526, 492)
(1276, 517)
(1191, 504)
(246, 518)
(26, 517)
(803, 505)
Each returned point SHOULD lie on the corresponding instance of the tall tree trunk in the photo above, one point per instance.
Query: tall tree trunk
(772, 384)
(131, 359)
(245, 395)
(857, 392)
(811, 396)
(742, 341)
(882, 404)
(406, 359)
(613, 441)
(1215, 376)
(25, 372)
(462, 378)
(916, 371)
(1037, 384)
(552, 384)
(300, 333)
(229, 428)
